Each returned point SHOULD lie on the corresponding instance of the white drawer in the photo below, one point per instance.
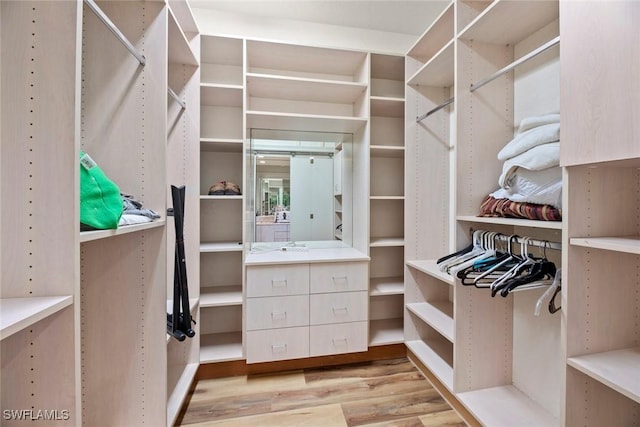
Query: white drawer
(277, 344)
(275, 280)
(337, 339)
(338, 277)
(277, 312)
(338, 307)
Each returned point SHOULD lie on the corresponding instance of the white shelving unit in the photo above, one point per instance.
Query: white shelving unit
(453, 135)
(386, 199)
(602, 231)
(18, 314)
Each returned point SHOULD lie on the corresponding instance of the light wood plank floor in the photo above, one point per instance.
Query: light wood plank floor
(374, 394)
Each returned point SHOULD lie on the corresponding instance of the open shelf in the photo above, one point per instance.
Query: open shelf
(183, 14)
(438, 71)
(216, 296)
(435, 37)
(383, 106)
(228, 145)
(387, 151)
(303, 89)
(230, 197)
(516, 20)
(304, 122)
(552, 225)
(221, 247)
(386, 197)
(618, 369)
(221, 95)
(515, 408)
(431, 268)
(87, 236)
(17, 314)
(379, 286)
(180, 51)
(429, 353)
(386, 241)
(629, 245)
(437, 314)
(220, 347)
(385, 331)
(180, 391)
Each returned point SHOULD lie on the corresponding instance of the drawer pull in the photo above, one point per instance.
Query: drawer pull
(339, 341)
(278, 348)
(337, 310)
(278, 315)
(279, 283)
(343, 278)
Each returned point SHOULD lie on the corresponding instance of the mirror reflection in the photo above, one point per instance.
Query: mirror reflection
(297, 188)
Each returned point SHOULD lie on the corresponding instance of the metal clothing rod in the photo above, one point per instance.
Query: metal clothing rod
(438, 108)
(517, 62)
(116, 32)
(178, 100)
(530, 242)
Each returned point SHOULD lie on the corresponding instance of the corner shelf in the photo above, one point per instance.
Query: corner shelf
(385, 331)
(437, 314)
(17, 314)
(220, 347)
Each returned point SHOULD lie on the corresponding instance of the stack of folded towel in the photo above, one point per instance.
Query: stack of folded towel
(531, 179)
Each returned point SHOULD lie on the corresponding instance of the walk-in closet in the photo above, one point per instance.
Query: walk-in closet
(444, 191)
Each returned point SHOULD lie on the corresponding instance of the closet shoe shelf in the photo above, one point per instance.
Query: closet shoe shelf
(220, 347)
(437, 314)
(17, 314)
(429, 353)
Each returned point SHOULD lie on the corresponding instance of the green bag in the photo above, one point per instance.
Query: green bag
(100, 200)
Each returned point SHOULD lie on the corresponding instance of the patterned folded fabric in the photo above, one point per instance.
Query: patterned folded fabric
(505, 208)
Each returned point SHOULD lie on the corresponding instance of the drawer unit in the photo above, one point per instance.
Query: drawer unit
(337, 339)
(338, 277)
(277, 344)
(276, 280)
(277, 312)
(338, 307)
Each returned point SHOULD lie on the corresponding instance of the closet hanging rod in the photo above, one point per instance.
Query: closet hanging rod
(178, 100)
(116, 32)
(530, 242)
(517, 62)
(438, 108)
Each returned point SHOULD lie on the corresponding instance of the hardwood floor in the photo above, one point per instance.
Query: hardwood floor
(380, 393)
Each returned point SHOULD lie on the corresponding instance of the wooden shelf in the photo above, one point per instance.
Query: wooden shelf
(629, 245)
(221, 247)
(516, 408)
(221, 347)
(438, 71)
(180, 392)
(218, 296)
(183, 14)
(220, 95)
(386, 197)
(437, 314)
(431, 268)
(87, 236)
(552, 225)
(515, 20)
(230, 197)
(227, 145)
(17, 314)
(385, 331)
(429, 353)
(387, 151)
(382, 106)
(435, 37)
(618, 369)
(380, 286)
(180, 51)
(303, 89)
(386, 241)
(304, 122)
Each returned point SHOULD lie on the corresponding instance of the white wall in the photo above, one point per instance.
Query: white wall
(220, 23)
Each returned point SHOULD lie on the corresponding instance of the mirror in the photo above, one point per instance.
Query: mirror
(298, 181)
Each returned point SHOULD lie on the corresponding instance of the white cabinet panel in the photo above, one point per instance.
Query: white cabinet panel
(274, 280)
(277, 312)
(338, 307)
(338, 277)
(337, 339)
(277, 344)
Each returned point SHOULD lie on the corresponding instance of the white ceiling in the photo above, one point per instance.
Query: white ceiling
(396, 16)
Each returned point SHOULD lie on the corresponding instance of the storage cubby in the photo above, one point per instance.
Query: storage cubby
(386, 290)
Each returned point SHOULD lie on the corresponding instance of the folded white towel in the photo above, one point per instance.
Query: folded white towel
(543, 187)
(529, 139)
(535, 121)
(537, 158)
